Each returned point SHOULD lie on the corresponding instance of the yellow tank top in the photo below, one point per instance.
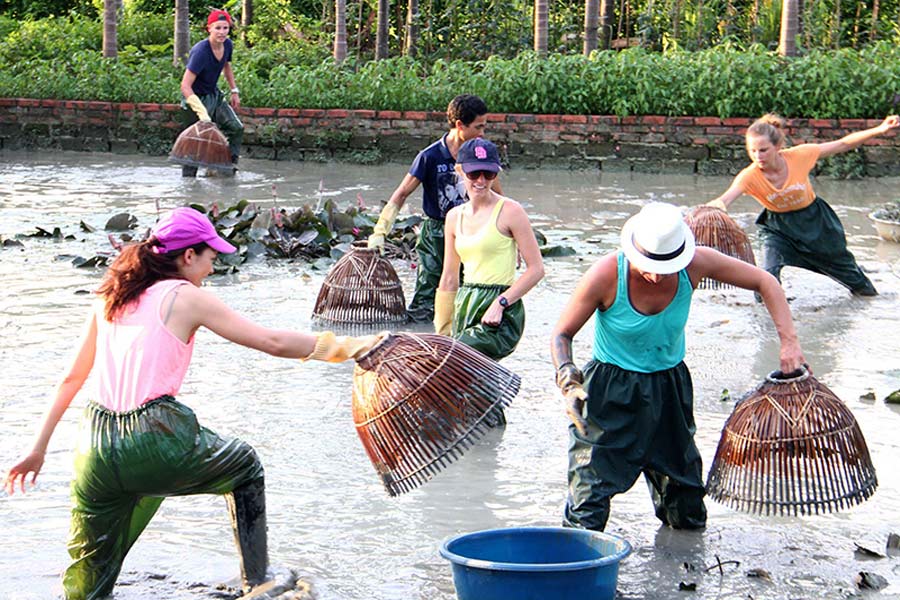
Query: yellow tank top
(488, 256)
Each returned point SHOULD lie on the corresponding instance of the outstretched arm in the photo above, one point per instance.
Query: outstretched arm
(731, 194)
(851, 141)
(193, 308)
(711, 263)
(78, 372)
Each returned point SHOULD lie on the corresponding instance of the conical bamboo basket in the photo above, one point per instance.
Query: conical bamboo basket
(713, 228)
(791, 447)
(362, 288)
(202, 145)
(421, 400)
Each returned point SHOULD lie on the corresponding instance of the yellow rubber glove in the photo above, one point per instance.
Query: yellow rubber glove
(717, 204)
(569, 379)
(384, 225)
(331, 348)
(443, 311)
(197, 106)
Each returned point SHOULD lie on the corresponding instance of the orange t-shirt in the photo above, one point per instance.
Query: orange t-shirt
(797, 191)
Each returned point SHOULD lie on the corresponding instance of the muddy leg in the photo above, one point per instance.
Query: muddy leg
(247, 506)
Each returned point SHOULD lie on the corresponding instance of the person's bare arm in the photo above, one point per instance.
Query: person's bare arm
(731, 194)
(404, 190)
(710, 263)
(72, 382)
(187, 83)
(591, 293)
(450, 274)
(234, 98)
(852, 140)
(193, 308)
(513, 219)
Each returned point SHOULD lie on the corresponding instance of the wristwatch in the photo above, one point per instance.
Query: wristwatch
(234, 90)
(503, 301)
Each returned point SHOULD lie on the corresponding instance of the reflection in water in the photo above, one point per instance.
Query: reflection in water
(329, 516)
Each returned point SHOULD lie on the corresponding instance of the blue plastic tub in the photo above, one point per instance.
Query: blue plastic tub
(525, 563)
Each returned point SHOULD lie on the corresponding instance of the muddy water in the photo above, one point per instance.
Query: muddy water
(329, 516)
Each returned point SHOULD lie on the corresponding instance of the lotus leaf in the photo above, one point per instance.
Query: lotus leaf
(121, 222)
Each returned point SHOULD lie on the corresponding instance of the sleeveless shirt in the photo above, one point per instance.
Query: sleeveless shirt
(488, 256)
(634, 341)
(138, 358)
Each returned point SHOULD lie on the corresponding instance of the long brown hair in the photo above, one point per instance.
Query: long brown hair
(770, 126)
(136, 268)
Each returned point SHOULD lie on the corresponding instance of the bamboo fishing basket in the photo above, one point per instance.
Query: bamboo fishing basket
(421, 400)
(791, 447)
(362, 288)
(712, 227)
(202, 145)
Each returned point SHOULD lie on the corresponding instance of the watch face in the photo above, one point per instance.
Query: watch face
(504, 302)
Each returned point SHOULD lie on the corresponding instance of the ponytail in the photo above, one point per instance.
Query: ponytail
(138, 267)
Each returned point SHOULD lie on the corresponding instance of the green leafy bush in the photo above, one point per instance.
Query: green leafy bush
(143, 30)
(60, 58)
(51, 39)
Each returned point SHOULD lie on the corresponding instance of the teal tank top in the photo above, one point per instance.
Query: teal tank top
(637, 342)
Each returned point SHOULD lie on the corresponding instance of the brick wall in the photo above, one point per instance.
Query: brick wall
(705, 145)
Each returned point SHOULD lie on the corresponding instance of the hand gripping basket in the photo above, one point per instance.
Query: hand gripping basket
(202, 145)
(362, 288)
(713, 228)
(421, 400)
(791, 447)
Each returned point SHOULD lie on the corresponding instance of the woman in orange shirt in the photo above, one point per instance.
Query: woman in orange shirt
(797, 227)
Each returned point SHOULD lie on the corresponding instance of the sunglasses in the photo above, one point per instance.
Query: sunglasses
(488, 175)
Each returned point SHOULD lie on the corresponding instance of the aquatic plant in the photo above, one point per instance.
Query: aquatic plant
(308, 232)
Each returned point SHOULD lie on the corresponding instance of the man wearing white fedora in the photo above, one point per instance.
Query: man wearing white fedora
(632, 406)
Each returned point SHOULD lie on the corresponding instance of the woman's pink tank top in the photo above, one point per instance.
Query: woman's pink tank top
(138, 358)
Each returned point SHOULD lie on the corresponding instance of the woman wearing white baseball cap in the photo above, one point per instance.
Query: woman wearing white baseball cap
(636, 390)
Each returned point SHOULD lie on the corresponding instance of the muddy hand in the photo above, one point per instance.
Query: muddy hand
(574, 399)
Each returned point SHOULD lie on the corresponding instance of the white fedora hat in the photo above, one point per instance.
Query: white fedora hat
(657, 240)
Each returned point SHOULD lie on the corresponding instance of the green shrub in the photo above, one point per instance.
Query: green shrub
(59, 57)
(51, 38)
(143, 30)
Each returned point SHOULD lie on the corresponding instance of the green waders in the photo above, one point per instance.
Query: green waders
(472, 300)
(127, 463)
(637, 422)
(430, 249)
(811, 238)
(223, 116)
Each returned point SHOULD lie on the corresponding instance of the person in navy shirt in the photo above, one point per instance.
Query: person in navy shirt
(202, 98)
(434, 169)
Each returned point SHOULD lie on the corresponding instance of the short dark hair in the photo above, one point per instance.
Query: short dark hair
(465, 108)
